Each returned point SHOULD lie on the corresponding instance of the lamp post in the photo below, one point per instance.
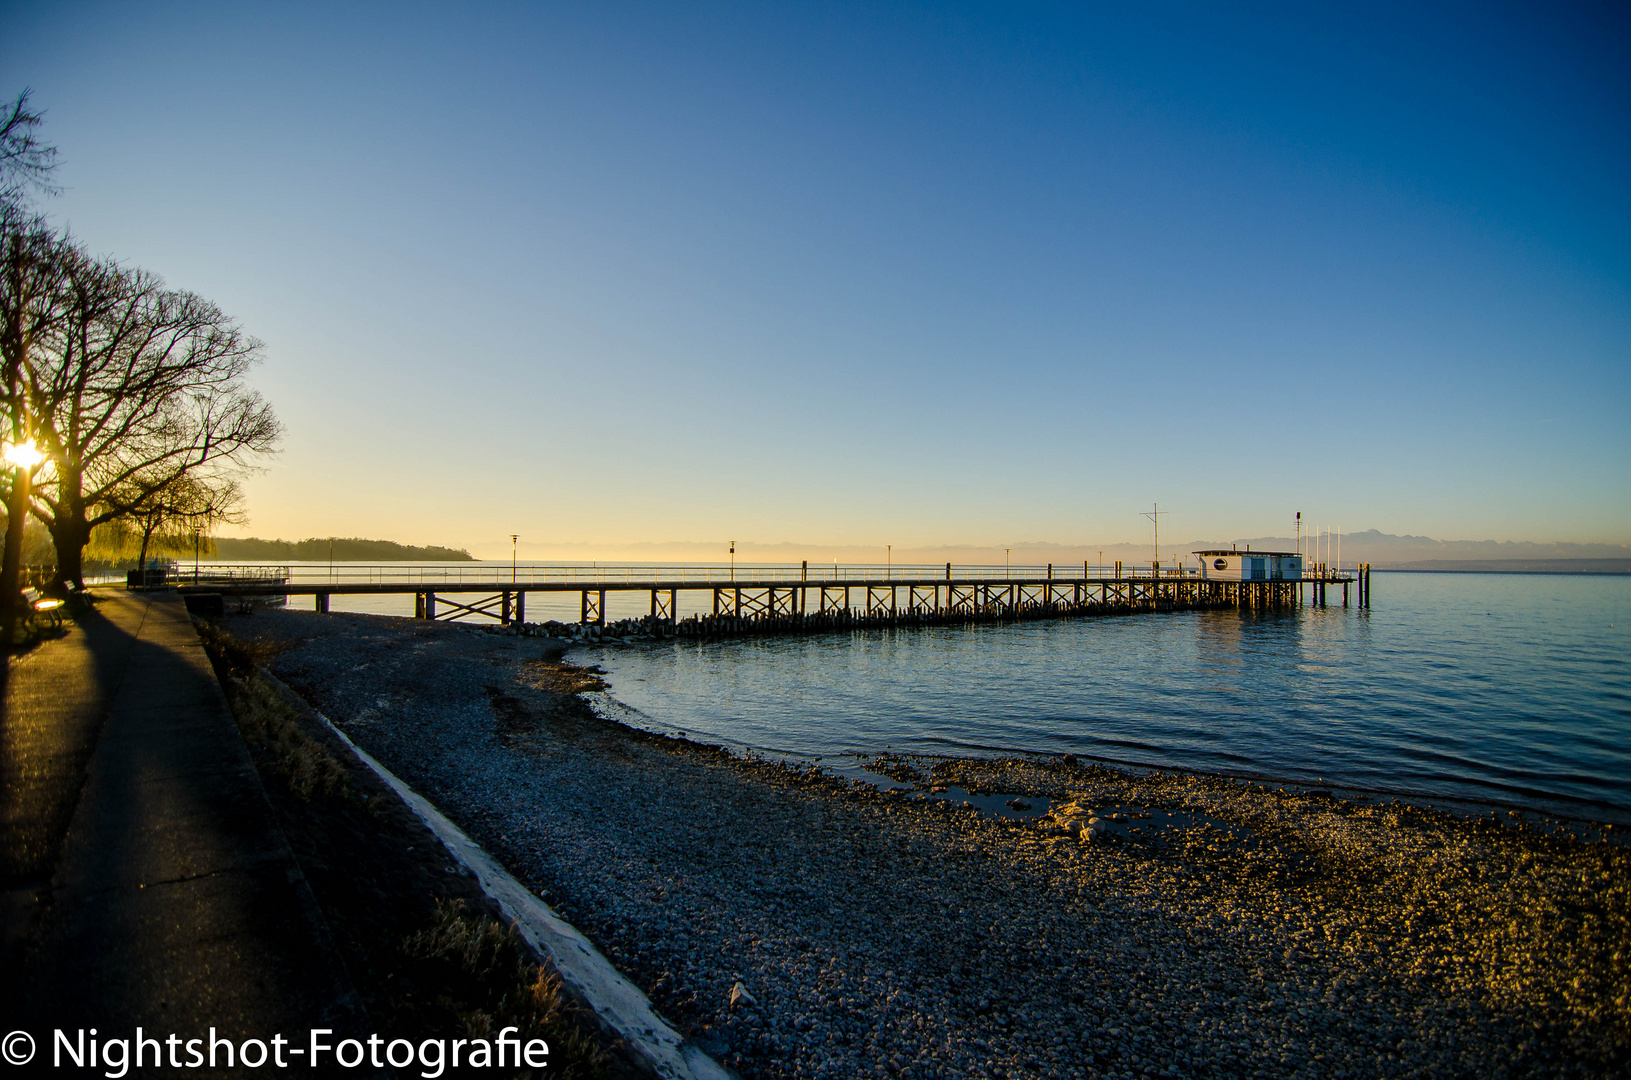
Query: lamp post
(513, 538)
(733, 560)
(23, 457)
(1005, 560)
(888, 560)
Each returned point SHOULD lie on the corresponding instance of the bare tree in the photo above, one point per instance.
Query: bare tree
(25, 161)
(33, 266)
(143, 387)
(36, 263)
(27, 305)
(135, 391)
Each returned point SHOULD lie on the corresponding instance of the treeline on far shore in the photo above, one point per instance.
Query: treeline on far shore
(340, 549)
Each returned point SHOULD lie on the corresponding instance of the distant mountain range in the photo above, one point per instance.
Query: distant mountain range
(1522, 566)
(1382, 550)
(1387, 551)
(340, 549)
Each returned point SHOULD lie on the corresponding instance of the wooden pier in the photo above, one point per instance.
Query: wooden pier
(793, 600)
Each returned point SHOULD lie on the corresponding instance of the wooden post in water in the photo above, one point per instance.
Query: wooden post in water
(322, 603)
(521, 607)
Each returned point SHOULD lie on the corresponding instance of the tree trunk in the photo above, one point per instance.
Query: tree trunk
(70, 537)
(148, 525)
(69, 533)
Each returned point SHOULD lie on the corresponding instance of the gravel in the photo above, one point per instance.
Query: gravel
(1205, 927)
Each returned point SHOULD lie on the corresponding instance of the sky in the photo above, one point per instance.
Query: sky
(852, 275)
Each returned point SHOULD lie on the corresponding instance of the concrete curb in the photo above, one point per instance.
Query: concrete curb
(615, 1000)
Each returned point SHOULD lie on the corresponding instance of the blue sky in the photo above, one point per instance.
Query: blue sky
(857, 274)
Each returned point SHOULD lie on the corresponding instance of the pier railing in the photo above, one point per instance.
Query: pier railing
(535, 573)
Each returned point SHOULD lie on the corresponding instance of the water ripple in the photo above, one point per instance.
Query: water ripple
(1503, 688)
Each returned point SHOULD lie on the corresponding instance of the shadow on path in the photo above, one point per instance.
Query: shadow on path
(145, 879)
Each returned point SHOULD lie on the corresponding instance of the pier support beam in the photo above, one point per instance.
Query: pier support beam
(664, 607)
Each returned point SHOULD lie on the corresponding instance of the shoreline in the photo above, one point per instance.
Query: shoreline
(1611, 821)
(1612, 832)
(1235, 928)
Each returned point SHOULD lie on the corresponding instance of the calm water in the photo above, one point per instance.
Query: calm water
(1510, 689)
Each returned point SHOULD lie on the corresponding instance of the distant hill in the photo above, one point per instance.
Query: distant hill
(345, 549)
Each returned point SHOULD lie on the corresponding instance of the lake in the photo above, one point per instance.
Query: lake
(1506, 689)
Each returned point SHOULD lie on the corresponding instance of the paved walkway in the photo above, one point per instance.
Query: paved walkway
(143, 877)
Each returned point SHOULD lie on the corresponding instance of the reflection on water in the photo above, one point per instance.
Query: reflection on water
(1505, 688)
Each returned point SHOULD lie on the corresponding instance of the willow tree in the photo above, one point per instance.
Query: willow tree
(171, 517)
(141, 388)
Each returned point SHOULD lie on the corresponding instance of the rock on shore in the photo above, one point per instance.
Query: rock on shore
(802, 926)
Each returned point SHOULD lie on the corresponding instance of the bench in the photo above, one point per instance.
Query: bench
(41, 607)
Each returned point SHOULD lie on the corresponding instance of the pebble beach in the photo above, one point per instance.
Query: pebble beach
(800, 924)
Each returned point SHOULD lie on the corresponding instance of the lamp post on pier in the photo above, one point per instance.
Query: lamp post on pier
(1154, 514)
(513, 538)
(733, 560)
